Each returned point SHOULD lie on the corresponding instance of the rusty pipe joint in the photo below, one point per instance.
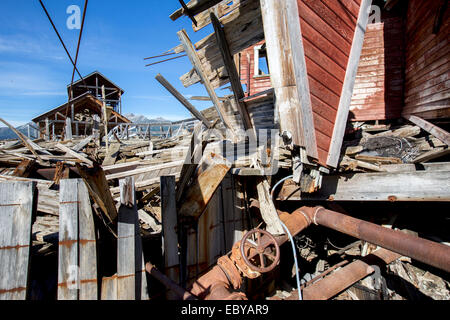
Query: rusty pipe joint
(423, 250)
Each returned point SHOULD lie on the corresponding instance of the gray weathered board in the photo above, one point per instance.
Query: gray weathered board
(169, 223)
(131, 278)
(16, 212)
(77, 261)
(389, 186)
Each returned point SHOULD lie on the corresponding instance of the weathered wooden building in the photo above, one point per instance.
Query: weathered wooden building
(86, 102)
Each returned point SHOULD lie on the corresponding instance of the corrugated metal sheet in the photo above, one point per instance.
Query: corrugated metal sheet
(427, 84)
(378, 91)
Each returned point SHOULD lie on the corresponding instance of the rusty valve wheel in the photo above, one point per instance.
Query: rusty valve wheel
(262, 249)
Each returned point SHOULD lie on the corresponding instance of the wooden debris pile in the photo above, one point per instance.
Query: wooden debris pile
(374, 147)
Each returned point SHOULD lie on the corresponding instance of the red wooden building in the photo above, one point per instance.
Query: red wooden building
(403, 66)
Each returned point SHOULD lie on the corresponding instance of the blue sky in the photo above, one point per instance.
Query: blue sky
(34, 69)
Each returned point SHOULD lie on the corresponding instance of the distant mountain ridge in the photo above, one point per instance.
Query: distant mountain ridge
(6, 133)
(137, 118)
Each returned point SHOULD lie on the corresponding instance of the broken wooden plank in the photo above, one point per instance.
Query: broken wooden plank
(166, 84)
(25, 141)
(439, 133)
(194, 7)
(232, 72)
(403, 132)
(386, 186)
(82, 143)
(267, 207)
(353, 164)
(24, 169)
(111, 155)
(432, 154)
(193, 57)
(378, 160)
(99, 191)
(16, 206)
(203, 187)
(193, 157)
(74, 154)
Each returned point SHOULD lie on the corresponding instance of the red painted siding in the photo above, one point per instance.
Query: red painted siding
(378, 91)
(327, 29)
(427, 83)
(247, 67)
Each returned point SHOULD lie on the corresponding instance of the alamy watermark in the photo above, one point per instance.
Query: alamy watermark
(74, 19)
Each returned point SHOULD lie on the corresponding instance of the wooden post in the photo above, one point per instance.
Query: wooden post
(68, 134)
(68, 272)
(288, 71)
(169, 223)
(77, 131)
(105, 120)
(131, 280)
(16, 212)
(47, 130)
(87, 245)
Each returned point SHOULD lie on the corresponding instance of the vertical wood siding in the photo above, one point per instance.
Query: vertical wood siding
(427, 84)
(378, 91)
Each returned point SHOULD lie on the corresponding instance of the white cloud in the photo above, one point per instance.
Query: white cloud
(35, 47)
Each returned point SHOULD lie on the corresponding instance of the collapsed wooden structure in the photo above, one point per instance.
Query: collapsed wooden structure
(350, 109)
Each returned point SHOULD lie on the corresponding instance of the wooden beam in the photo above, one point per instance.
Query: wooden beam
(388, 186)
(169, 224)
(301, 78)
(16, 214)
(82, 143)
(288, 72)
(72, 153)
(143, 170)
(194, 7)
(182, 100)
(193, 57)
(439, 133)
(230, 67)
(349, 82)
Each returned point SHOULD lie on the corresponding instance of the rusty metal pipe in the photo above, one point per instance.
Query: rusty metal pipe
(179, 291)
(426, 251)
(340, 280)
